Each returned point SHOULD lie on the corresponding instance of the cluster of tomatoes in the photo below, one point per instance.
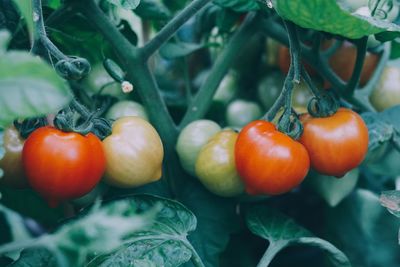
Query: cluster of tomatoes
(67, 165)
(266, 161)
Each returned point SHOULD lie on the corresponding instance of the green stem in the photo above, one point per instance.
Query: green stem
(186, 75)
(202, 101)
(355, 77)
(295, 51)
(19, 245)
(273, 249)
(166, 33)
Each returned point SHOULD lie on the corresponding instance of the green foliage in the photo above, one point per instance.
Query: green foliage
(31, 89)
(152, 10)
(126, 4)
(282, 231)
(175, 50)
(100, 231)
(327, 16)
(26, 10)
(5, 37)
(238, 5)
(364, 231)
(164, 244)
(391, 200)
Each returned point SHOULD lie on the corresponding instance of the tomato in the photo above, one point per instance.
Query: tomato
(241, 112)
(62, 165)
(215, 165)
(191, 139)
(269, 161)
(336, 144)
(11, 163)
(126, 108)
(134, 153)
(343, 60)
(387, 91)
(97, 78)
(227, 89)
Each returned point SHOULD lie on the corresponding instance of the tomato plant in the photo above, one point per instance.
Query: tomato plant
(131, 111)
(269, 161)
(343, 133)
(61, 166)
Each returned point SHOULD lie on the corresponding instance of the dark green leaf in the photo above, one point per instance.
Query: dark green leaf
(54, 4)
(238, 5)
(364, 230)
(327, 16)
(29, 88)
(175, 50)
(391, 201)
(153, 10)
(379, 131)
(226, 19)
(279, 229)
(332, 189)
(126, 4)
(35, 257)
(395, 50)
(164, 244)
(217, 219)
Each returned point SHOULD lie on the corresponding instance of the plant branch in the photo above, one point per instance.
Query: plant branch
(355, 77)
(166, 33)
(202, 101)
(273, 249)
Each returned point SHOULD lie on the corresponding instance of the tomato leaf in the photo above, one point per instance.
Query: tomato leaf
(282, 231)
(164, 244)
(125, 4)
(238, 5)
(152, 10)
(364, 230)
(379, 131)
(98, 231)
(175, 50)
(29, 88)
(35, 257)
(332, 189)
(54, 4)
(328, 16)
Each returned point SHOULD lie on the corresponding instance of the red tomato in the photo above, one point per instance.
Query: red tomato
(61, 165)
(342, 63)
(336, 144)
(269, 161)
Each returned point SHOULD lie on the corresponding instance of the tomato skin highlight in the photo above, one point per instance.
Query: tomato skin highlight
(336, 144)
(269, 161)
(62, 166)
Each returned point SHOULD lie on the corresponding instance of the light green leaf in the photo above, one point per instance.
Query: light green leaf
(26, 10)
(391, 201)
(333, 190)
(5, 38)
(281, 232)
(126, 4)
(164, 244)
(29, 88)
(327, 16)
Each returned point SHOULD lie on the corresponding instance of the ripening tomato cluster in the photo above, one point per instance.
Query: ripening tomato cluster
(67, 165)
(263, 160)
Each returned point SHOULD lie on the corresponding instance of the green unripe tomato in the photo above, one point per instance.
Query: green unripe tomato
(216, 168)
(387, 92)
(97, 78)
(126, 108)
(192, 138)
(241, 112)
(227, 89)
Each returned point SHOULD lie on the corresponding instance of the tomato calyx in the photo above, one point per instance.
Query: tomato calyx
(26, 127)
(77, 118)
